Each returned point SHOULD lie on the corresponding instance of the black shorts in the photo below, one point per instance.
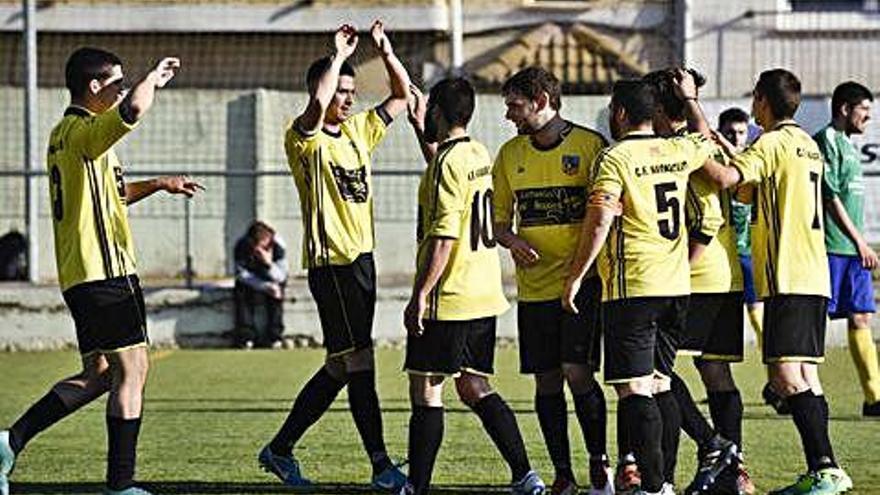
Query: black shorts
(446, 348)
(794, 328)
(346, 299)
(641, 336)
(714, 329)
(109, 315)
(550, 336)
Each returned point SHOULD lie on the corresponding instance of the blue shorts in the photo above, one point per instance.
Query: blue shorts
(749, 296)
(852, 290)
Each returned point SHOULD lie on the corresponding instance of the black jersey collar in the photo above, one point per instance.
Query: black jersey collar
(452, 142)
(77, 111)
(566, 130)
(638, 135)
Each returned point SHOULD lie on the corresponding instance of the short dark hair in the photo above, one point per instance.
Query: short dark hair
(782, 89)
(259, 229)
(664, 90)
(455, 98)
(732, 115)
(849, 93)
(531, 82)
(636, 97)
(86, 64)
(322, 65)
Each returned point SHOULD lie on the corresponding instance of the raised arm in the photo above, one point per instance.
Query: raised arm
(143, 93)
(312, 118)
(416, 113)
(722, 176)
(686, 90)
(396, 103)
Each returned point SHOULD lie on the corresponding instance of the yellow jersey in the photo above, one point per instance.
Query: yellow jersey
(709, 222)
(542, 194)
(646, 252)
(333, 176)
(89, 216)
(455, 202)
(788, 240)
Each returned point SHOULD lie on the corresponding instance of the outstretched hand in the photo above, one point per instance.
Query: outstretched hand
(165, 70)
(380, 39)
(181, 184)
(346, 40)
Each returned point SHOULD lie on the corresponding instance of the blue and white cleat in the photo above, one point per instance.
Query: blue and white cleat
(531, 484)
(286, 468)
(391, 479)
(128, 491)
(7, 462)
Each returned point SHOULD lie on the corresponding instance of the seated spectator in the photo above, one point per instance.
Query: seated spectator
(13, 256)
(260, 278)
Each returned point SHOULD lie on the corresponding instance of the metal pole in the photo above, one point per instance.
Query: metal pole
(30, 130)
(187, 226)
(687, 31)
(456, 22)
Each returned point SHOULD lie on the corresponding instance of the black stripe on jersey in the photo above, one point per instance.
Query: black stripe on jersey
(695, 222)
(310, 240)
(621, 261)
(384, 115)
(442, 153)
(100, 231)
(119, 259)
(319, 195)
(777, 228)
(766, 206)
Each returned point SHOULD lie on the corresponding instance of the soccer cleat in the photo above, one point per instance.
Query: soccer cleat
(406, 489)
(286, 468)
(128, 491)
(774, 400)
(835, 478)
(563, 486)
(667, 489)
(531, 484)
(391, 479)
(871, 410)
(601, 476)
(805, 484)
(627, 479)
(717, 456)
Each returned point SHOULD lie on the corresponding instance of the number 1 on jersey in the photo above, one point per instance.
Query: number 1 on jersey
(482, 216)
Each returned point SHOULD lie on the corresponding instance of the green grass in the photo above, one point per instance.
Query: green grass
(208, 412)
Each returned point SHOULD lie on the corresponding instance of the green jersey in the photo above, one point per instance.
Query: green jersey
(843, 180)
(741, 216)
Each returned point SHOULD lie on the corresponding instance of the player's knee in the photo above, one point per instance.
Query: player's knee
(579, 378)
(716, 376)
(860, 320)
(335, 367)
(787, 379)
(426, 391)
(548, 382)
(640, 386)
(472, 388)
(660, 384)
(359, 360)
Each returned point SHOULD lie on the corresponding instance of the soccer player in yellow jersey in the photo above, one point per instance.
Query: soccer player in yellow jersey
(540, 180)
(783, 170)
(94, 253)
(713, 332)
(642, 257)
(328, 150)
(457, 293)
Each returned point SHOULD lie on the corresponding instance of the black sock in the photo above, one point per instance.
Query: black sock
(726, 409)
(122, 437)
(809, 417)
(624, 445)
(671, 416)
(312, 402)
(425, 437)
(364, 404)
(826, 412)
(553, 418)
(645, 432)
(500, 424)
(593, 418)
(692, 421)
(44, 413)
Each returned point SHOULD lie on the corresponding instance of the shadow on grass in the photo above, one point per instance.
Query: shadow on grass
(204, 487)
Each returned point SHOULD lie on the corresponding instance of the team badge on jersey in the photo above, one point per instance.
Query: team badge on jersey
(570, 164)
